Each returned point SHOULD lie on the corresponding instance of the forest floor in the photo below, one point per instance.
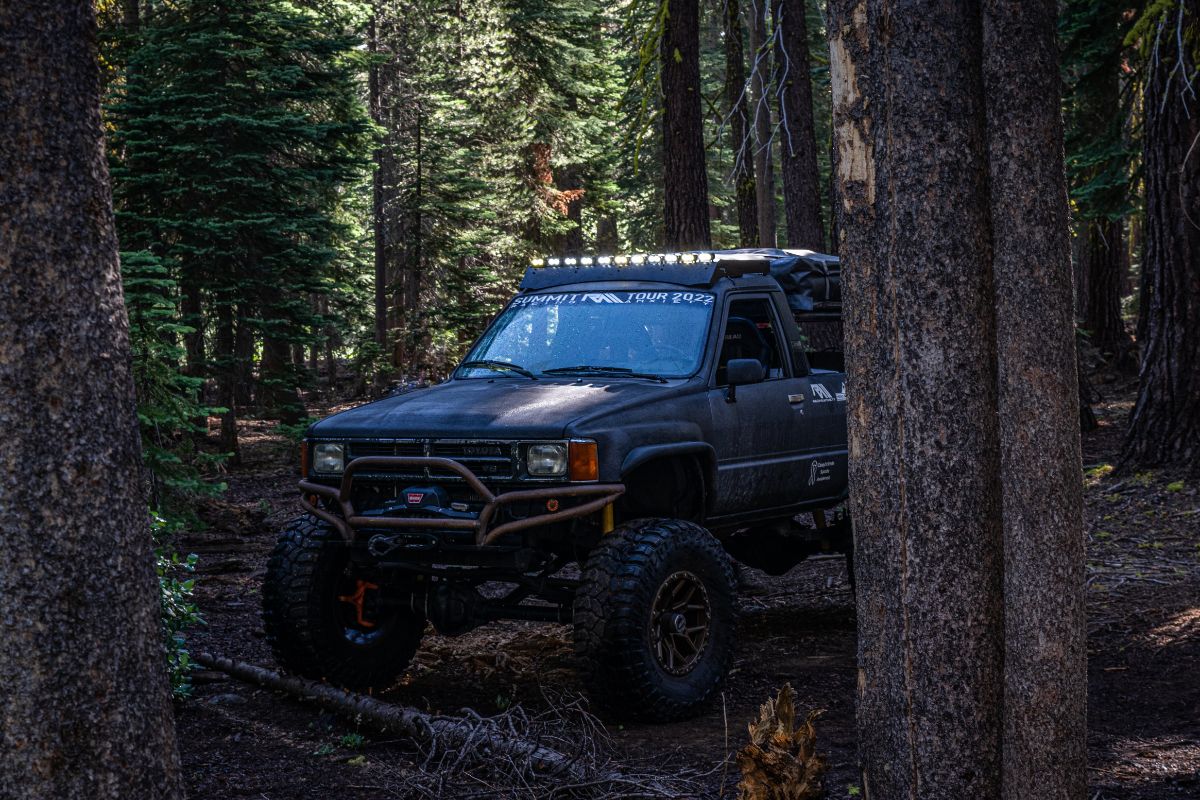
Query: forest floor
(1143, 533)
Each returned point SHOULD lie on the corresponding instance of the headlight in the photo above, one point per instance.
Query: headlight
(329, 458)
(545, 460)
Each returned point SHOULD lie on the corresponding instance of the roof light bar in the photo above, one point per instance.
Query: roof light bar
(625, 260)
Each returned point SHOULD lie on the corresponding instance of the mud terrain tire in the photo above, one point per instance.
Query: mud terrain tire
(315, 634)
(642, 588)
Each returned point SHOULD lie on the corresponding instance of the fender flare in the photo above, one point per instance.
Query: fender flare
(703, 451)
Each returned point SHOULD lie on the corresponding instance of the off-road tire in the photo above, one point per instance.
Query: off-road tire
(614, 634)
(305, 622)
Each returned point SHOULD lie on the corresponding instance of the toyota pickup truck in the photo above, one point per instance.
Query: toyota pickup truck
(626, 432)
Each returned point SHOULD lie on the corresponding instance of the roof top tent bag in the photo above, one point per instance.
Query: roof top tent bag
(812, 283)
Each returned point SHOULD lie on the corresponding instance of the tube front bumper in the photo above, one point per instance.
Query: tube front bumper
(349, 520)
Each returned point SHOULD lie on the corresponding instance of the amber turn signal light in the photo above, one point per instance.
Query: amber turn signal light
(582, 460)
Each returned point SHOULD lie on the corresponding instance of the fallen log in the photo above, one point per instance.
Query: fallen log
(429, 731)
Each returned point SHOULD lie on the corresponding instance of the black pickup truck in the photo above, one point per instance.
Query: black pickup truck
(626, 430)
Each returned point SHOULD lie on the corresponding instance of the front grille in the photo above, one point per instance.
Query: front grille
(488, 460)
(491, 461)
(363, 449)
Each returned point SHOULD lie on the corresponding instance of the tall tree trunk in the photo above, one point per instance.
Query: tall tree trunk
(278, 394)
(567, 182)
(607, 240)
(1103, 257)
(962, 390)
(920, 347)
(131, 15)
(192, 314)
(798, 141)
(243, 364)
(764, 164)
(378, 190)
(685, 178)
(739, 127)
(1165, 424)
(225, 363)
(1045, 651)
(86, 713)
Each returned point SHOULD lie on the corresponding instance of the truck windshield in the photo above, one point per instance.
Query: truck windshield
(610, 333)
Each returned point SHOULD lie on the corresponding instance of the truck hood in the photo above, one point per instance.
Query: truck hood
(499, 408)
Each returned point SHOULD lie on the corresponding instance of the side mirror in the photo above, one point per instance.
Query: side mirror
(741, 371)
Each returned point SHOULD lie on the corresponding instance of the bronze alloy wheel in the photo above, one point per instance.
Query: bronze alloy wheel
(679, 622)
(655, 621)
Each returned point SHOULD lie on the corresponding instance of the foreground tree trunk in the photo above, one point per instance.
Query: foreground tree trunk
(920, 336)
(798, 142)
(1165, 424)
(739, 127)
(685, 179)
(764, 165)
(1045, 651)
(85, 707)
(962, 391)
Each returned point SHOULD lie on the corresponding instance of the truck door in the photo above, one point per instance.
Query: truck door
(822, 436)
(758, 440)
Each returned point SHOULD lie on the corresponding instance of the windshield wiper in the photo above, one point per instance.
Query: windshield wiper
(499, 366)
(587, 369)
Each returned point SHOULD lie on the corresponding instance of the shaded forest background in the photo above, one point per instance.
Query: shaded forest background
(337, 196)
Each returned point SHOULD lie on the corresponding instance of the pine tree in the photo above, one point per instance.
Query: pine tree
(1098, 163)
(238, 127)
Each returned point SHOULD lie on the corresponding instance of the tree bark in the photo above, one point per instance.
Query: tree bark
(920, 346)
(84, 713)
(685, 178)
(1165, 423)
(1103, 256)
(244, 340)
(764, 163)
(225, 364)
(834, 204)
(963, 391)
(607, 240)
(378, 190)
(739, 127)
(279, 396)
(798, 141)
(1045, 652)
(192, 314)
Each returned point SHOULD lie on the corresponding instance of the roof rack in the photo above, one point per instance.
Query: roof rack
(686, 268)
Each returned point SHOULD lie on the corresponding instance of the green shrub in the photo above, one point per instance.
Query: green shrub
(179, 610)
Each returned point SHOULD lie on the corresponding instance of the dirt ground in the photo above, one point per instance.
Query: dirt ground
(1143, 675)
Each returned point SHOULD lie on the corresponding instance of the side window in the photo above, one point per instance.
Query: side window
(751, 332)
